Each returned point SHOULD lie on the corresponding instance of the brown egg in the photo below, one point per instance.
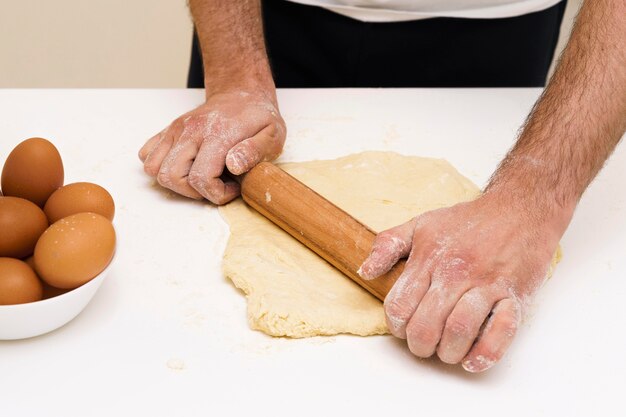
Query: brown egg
(18, 283)
(33, 171)
(74, 250)
(48, 290)
(21, 224)
(80, 197)
(30, 261)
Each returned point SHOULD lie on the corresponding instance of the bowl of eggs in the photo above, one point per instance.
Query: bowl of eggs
(57, 242)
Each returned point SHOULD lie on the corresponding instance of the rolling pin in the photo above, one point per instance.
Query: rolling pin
(316, 222)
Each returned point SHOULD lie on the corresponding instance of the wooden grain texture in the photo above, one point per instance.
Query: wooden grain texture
(316, 222)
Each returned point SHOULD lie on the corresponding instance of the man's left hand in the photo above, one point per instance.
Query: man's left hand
(471, 272)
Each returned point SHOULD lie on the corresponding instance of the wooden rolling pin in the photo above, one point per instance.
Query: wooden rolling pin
(316, 222)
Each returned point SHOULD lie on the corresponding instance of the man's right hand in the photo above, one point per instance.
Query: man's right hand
(234, 130)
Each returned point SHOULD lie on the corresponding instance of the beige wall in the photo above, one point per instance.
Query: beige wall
(94, 43)
(101, 43)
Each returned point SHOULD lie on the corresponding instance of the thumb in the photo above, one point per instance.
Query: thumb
(389, 246)
(266, 145)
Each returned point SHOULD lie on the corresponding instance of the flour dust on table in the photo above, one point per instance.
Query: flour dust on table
(293, 292)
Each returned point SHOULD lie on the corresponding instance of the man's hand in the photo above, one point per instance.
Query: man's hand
(234, 130)
(473, 267)
(471, 272)
(239, 124)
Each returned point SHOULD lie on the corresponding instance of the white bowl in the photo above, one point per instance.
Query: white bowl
(20, 321)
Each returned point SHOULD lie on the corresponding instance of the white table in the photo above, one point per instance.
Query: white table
(167, 334)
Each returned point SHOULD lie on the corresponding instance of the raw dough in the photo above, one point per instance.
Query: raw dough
(293, 292)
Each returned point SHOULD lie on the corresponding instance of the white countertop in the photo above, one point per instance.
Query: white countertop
(166, 304)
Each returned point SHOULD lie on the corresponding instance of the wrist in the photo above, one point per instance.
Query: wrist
(539, 203)
(250, 78)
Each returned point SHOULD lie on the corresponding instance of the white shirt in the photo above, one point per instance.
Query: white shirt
(402, 10)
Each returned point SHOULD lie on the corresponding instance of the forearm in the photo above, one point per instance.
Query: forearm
(579, 119)
(232, 44)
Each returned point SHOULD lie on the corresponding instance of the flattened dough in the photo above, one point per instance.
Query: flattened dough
(293, 292)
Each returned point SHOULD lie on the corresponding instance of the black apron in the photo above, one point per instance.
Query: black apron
(310, 46)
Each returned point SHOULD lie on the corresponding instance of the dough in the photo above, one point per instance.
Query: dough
(293, 292)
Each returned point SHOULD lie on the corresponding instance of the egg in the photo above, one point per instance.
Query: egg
(30, 261)
(18, 283)
(33, 170)
(48, 290)
(21, 224)
(79, 197)
(74, 250)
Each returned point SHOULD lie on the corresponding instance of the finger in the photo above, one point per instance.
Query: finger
(405, 295)
(425, 327)
(266, 145)
(155, 158)
(147, 147)
(388, 247)
(495, 338)
(463, 325)
(175, 168)
(204, 175)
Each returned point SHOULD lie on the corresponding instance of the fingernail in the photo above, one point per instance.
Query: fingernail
(367, 271)
(237, 162)
(361, 273)
(480, 364)
(469, 366)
